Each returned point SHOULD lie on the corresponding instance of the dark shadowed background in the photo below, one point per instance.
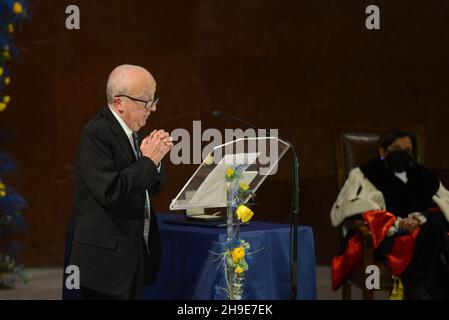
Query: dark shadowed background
(303, 67)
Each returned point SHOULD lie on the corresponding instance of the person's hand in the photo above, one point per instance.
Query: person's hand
(408, 224)
(164, 136)
(156, 145)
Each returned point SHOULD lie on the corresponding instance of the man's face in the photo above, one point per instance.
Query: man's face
(131, 106)
(135, 114)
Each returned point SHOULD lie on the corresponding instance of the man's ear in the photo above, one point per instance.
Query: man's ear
(117, 103)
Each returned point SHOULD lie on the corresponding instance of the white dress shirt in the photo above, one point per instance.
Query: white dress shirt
(402, 176)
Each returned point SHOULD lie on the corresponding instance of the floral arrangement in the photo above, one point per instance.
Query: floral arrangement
(11, 219)
(240, 193)
(12, 12)
(235, 251)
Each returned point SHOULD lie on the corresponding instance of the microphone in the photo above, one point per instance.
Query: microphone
(219, 114)
(294, 205)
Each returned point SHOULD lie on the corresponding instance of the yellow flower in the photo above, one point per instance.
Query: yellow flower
(6, 55)
(244, 213)
(7, 80)
(2, 106)
(238, 254)
(238, 270)
(6, 99)
(209, 160)
(10, 28)
(398, 290)
(229, 172)
(244, 186)
(17, 8)
(2, 189)
(1, 71)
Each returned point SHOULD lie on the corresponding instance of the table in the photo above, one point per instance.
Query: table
(188, 270)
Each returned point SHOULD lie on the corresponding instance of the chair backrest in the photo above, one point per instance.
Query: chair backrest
(355, 146)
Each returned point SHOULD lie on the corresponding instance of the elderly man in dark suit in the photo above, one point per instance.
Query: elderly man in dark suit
(116, 243)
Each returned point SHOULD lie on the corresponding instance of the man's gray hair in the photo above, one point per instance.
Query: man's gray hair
(117, 83)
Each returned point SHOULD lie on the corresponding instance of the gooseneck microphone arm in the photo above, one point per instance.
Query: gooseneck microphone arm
(220, 114)
(294, 207)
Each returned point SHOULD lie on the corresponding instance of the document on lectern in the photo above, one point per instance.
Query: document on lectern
(213, 188)
(257, 158)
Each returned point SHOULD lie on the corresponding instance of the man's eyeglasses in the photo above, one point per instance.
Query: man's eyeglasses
(147, 104)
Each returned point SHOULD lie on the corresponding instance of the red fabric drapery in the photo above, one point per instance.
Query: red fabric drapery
(379, 222)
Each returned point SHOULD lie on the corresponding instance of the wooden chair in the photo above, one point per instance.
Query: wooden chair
(354, 147)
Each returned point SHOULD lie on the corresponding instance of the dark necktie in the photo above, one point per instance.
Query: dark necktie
(146, 228)
(136, 145)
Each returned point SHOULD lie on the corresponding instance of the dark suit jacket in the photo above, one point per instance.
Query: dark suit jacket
(109, 204)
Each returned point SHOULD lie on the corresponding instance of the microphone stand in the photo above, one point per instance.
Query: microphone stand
(294, 208)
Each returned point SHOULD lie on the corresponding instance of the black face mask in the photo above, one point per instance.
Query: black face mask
(398, 160)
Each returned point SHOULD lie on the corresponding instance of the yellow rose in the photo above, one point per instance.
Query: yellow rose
(7, 80)
(6, 99)
(10, 28)
(229, 172)
(209, 160)
(238, 254)
(17, 8)
(2, 106)
(238, 270)
(2, 189)
(244, 186)
(244, 213)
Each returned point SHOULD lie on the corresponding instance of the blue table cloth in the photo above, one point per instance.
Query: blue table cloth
(188, 270)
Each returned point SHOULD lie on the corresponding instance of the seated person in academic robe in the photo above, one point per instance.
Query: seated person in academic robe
(406, 208)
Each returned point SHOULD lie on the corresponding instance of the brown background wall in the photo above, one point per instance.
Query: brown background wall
(303, 67)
